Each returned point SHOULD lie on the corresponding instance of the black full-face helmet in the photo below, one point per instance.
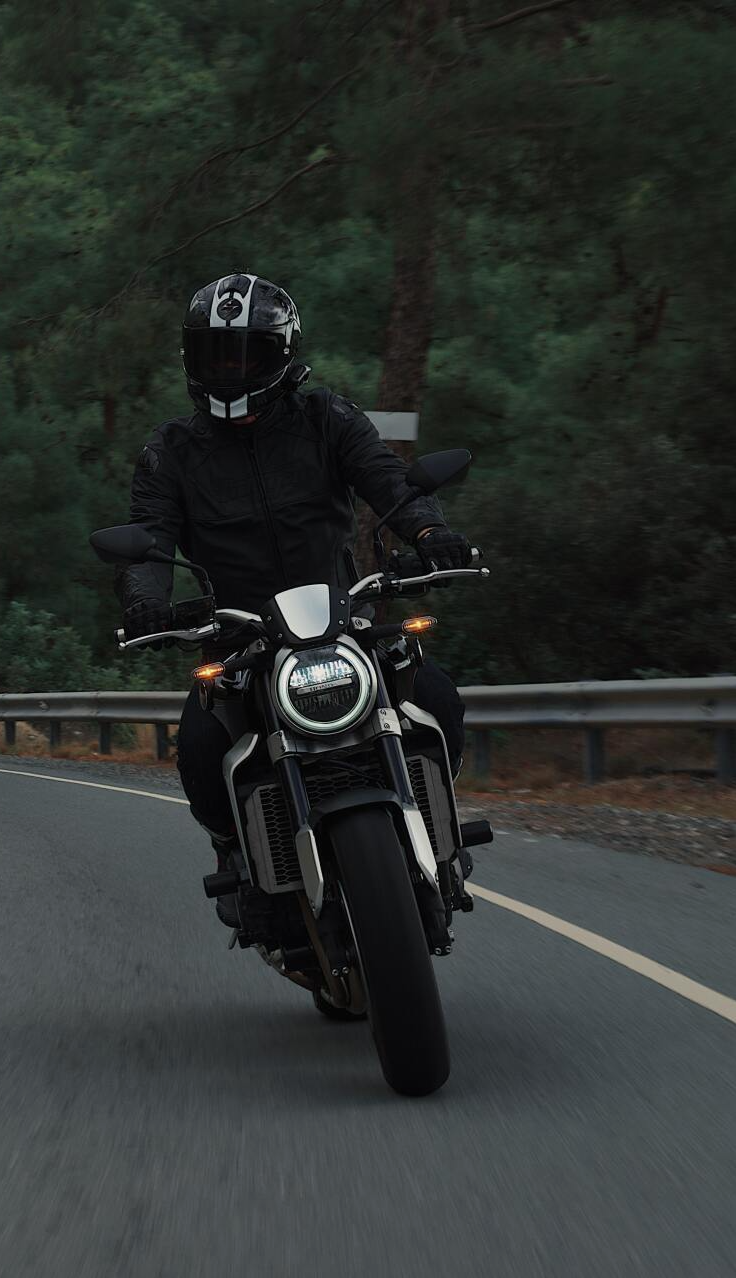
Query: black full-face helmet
(240, 336)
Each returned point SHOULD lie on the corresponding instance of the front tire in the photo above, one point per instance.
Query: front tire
(404, 1005)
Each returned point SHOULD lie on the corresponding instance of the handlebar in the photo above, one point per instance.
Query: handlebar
(378, 583)
(194, 634)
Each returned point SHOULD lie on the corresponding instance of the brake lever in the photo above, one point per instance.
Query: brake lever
(193, 636)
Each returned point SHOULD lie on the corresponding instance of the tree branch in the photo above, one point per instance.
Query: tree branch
(229, 152)
(214, 226)
(508, 18)
(585, 81)
(530, 126)
(368, 20)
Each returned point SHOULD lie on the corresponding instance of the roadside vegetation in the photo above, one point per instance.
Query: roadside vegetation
(519, 222)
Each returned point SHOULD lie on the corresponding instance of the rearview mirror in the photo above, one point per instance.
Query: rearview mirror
(437, 469)
(128, 544)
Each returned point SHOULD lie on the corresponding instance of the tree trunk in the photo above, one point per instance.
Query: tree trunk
(410, 325)
(409, 331)
(108, 416)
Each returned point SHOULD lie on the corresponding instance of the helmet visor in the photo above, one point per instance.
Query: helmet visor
(232, 356)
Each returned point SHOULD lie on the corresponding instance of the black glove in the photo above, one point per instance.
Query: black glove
(148, 617)
(443, 549)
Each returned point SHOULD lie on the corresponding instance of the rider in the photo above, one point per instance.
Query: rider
(257, 486)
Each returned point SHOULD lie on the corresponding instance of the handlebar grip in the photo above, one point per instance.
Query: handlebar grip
(119, 635)
(476, 554)
(406, 563)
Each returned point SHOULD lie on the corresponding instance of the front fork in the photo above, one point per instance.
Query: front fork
(432, 894)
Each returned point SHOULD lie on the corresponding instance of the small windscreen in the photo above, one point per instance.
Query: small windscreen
(232, 356)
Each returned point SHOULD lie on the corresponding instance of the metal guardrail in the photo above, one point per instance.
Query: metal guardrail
(592, 707)
(105, 708)
(600, 704)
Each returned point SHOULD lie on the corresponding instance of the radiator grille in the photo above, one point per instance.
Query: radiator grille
(269, 831)
(279, 843)
(417, 772)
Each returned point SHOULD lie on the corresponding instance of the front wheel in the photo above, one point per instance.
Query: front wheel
(404, 1005)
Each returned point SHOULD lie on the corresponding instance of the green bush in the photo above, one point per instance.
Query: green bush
(39, 653)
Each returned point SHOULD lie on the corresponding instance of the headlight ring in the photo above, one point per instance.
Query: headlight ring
(324, 690)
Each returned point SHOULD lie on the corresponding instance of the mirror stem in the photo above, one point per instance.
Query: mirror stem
(412, 494)
(378, 547)
(158, 556)
(204, 581)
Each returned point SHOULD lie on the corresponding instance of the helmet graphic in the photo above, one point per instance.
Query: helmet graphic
(241, 334)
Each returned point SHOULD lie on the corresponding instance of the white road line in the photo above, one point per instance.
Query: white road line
(666, 976)
(95, 785)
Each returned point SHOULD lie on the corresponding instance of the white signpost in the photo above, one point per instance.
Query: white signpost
(396, 426)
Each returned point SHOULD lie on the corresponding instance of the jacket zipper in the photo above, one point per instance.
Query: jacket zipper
(261, 487)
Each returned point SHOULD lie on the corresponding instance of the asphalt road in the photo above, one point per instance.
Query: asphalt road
(174, 1110)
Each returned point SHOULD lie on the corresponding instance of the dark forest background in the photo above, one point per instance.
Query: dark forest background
(518, 220)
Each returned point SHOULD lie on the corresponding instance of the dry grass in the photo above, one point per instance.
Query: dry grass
(650, 769)
(541, 766)
(82, 742)
(684, 795)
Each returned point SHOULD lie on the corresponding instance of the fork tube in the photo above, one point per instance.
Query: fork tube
(288, 770)
(390, 752)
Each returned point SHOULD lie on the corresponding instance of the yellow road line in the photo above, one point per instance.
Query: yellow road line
(95, 785)
(666, 976)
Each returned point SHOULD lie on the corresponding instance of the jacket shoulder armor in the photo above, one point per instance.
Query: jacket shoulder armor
(344, 407)
(170, 435)
(177, 431)
(324, 406)
(315, 403)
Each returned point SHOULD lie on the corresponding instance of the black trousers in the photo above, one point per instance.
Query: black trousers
(203, 743)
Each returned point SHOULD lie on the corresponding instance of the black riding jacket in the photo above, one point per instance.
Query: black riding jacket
(268, 505)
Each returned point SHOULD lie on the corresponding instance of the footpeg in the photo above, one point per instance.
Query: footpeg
(223, 884)
(475, 832)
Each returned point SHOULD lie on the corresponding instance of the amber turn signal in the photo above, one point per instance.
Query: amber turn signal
(415, 625)
(210, 671)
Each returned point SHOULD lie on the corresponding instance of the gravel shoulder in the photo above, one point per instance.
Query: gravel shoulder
(690, 838)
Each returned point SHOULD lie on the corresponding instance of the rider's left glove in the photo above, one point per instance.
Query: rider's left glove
(148, 617)
(440, 549)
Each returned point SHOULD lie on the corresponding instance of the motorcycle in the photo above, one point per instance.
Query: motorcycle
(351, 856)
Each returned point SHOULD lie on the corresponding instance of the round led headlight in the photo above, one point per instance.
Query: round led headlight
(325, 689)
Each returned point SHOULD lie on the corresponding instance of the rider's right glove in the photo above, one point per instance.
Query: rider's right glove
(148, 617)
(440, 549)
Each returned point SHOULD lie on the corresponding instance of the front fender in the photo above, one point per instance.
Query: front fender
(407, 818)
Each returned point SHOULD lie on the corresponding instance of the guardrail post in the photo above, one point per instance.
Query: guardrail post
(162, 740)
(594, 755)
(10, 732)
(481, 752)
(726, 755)
(105, 737)
(54, 733)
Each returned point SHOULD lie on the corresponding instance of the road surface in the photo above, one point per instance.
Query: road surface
(174, 1110)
